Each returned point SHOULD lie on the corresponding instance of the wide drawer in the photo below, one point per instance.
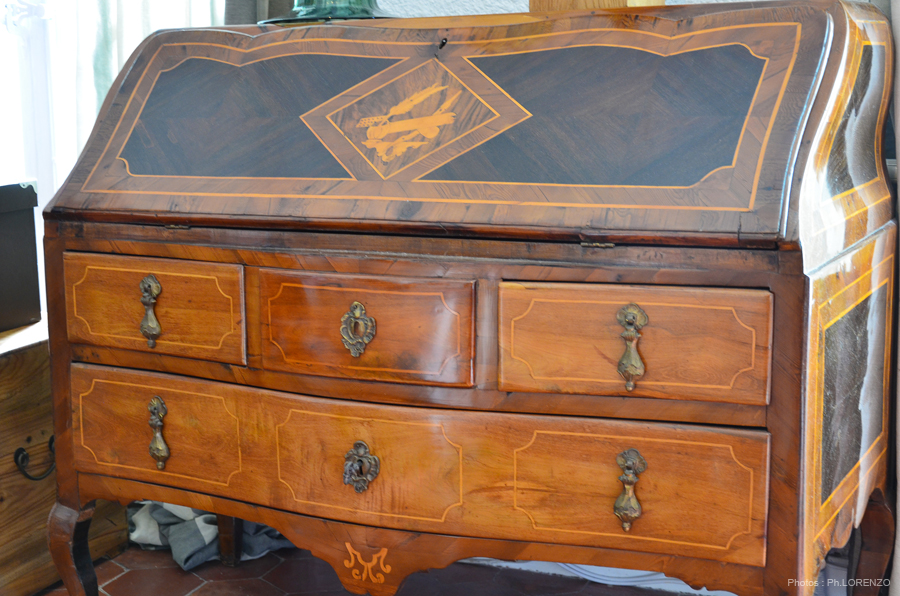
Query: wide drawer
(163, 306)
(703, 491)
(705, 344)
(389, 328)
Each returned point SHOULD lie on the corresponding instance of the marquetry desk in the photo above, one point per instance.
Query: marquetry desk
(609, 287)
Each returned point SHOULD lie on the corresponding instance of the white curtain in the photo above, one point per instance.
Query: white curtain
(61, 57)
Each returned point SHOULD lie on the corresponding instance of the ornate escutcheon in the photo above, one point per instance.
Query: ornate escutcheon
(158, 448)
(368, 572)
(360, 466)
(631, 367)
(357, 329)
(627, 507)
(150, 290)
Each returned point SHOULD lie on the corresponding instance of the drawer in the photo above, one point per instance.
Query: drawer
(387, 328)
(704, 344)
(198, 308)
(115, 416)
(703, 491)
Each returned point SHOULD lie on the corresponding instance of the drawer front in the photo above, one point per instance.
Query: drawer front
(198, 308)
(545, 479)
(115, 417)
(392, 329)
(702, 344)
(419, 469)
(702, 493)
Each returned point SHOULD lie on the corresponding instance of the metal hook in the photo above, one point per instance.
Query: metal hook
(22, 459)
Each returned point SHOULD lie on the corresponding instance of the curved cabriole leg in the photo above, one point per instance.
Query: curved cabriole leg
(68, 538)
(875, 546)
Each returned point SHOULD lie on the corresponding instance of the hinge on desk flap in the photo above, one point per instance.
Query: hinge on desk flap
(585, 239)
(177, 227)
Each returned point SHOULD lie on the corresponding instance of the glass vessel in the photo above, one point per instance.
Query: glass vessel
(326, 10)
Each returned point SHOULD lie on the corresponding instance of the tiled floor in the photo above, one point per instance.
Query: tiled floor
(296, 572)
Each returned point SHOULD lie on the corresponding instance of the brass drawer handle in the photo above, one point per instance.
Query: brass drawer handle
(150, 290)
(360, 466)
(631, 367)
(627, 507)
(158, 448)
(357, 329)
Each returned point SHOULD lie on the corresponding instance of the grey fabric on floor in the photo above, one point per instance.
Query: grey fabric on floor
(192, 534)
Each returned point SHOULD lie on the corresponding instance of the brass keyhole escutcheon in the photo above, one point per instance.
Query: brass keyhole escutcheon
(357, 329)
(627, 507)
(158, 448)
(150, 291)
(631, 367)
(360, 466)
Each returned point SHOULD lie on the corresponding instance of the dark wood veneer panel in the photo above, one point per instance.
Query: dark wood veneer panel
(853, 389)
(616, 116)
(209, 118)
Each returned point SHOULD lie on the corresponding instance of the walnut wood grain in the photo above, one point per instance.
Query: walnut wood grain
(110, 422)
(757, 174)
(422, 330)
(525, 476)
(489, 261)
(740, 194)
(847, 194)
(200, 309)
(848, 407)
(67, 533)
(409, 552)
(699, 343)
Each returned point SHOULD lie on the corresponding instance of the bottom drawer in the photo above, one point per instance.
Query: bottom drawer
(697, 491)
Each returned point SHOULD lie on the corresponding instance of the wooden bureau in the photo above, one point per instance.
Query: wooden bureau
(610, 287)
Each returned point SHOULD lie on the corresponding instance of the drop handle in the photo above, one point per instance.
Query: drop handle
(627, 507)
(631, 367)
(150, 291)
(158, 448)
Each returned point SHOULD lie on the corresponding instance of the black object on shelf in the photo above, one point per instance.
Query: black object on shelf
(20, 301)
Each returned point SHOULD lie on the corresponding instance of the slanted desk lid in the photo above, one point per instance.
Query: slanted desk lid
(682, 122)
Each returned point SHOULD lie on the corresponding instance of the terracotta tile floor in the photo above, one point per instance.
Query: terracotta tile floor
(297, 573)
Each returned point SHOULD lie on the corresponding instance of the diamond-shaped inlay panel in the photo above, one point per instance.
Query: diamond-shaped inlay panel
(411, 117)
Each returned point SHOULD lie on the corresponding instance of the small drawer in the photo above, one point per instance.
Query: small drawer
(163, 306)
(705, 344)
(116, 415)
(389, 328)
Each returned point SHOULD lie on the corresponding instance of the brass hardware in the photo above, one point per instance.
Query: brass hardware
(158, 448)
(357, 329)
(360, 466)
(150, 290)
(627, 507)
(631, 367)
